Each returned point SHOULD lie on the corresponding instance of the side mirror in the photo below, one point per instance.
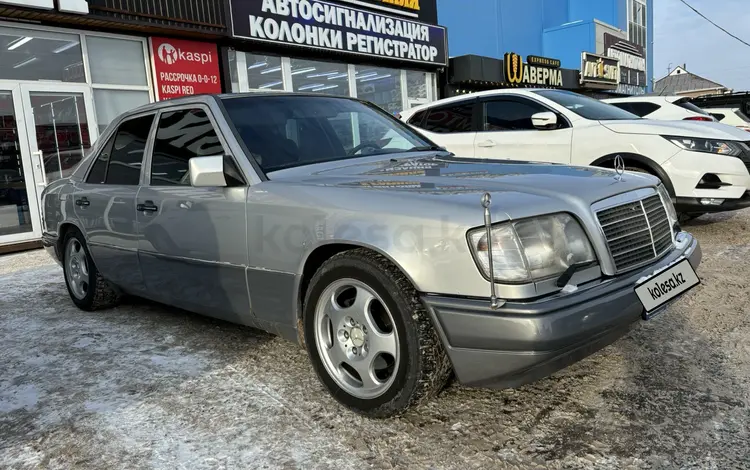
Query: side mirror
(545, 120)
(207, 171)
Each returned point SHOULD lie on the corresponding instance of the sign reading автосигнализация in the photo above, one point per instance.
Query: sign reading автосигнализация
(326, 25)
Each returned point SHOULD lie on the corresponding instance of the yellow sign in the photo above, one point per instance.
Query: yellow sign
(410, 4)
(513, 67)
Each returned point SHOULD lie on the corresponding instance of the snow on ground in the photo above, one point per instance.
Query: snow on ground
(148, 386)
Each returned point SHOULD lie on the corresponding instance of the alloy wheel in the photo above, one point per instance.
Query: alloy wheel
(356, 338)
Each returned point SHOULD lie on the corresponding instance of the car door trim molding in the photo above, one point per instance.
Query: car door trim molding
(191, 260)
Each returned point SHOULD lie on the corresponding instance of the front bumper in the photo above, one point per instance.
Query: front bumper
(525, 341)
(692, 205)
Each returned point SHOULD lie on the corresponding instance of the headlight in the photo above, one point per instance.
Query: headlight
(667, 199)
(722, 147)
(531, 249)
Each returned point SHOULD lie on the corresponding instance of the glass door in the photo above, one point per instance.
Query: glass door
(61, 128)
(19, 214)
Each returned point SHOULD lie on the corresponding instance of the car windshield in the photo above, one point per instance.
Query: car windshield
(586, 107)
(285, 131)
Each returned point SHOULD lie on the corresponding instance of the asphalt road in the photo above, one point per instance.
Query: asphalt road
(145, 386)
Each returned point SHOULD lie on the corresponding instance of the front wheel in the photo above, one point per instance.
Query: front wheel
(370, 339)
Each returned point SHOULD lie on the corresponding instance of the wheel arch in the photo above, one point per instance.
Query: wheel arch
(640, 161)
(62, 230)
(314, 259)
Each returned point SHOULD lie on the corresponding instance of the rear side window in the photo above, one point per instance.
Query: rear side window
(181, 135)
(686, 104)
(641, 109)
(121, 158)
(450, 119)
(718, 116)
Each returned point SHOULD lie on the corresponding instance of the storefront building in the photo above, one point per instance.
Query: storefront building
(67, 68)
(578, 33)
(384, 51)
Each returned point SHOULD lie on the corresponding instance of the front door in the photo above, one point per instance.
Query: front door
(61, 128)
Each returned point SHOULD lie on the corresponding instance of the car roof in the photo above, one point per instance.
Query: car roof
(479, 94)
(644, 98)
(207, 98)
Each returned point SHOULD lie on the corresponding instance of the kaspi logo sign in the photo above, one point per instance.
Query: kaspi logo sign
(169, 54)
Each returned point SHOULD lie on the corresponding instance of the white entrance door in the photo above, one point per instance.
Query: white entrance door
(45, 130)
(19, 214)
(61, 127)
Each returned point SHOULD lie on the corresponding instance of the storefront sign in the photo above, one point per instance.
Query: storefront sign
(324, 25)
(632, 59)
(599, 71)
(543, 61)
(518, 73)
(184, 67)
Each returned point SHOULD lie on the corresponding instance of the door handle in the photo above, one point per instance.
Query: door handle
(487, 143)
(82, 202)
(147, 206)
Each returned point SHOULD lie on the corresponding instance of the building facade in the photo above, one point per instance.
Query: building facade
(580, 34)
(69, 67)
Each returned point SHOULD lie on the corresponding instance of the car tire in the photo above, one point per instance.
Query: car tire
(363, 281)
(86, 286)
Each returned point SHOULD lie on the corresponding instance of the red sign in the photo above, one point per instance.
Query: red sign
(184, 67)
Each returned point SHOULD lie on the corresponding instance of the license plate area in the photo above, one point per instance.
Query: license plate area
(659, 289)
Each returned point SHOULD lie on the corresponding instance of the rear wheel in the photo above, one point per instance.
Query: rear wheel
(87, 288)
(369, 337)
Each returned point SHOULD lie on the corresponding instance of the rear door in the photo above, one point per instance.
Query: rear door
(192, 245)
(507, 132)
(105, 203)
(451, 126)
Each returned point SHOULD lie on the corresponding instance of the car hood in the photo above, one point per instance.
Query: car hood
(464, 180)
(701, 129)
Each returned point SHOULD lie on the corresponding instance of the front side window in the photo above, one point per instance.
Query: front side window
(450, 119)
(181, 135)
(588, 108)
(121, 158)
(288, 131)
(510, 115)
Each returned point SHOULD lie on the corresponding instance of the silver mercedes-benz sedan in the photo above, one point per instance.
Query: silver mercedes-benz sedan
(395, 263)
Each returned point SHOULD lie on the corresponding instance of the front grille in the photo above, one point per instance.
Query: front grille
(636, 232)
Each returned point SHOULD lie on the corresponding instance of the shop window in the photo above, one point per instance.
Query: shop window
(111, 103)
(416, 85)
(320, 77)
(234, 78)
(181, 136)
(123, 154)
(510, 115)
(115, 61)
(264, 72)
(450, 119)
(380, 86)
(27, 54)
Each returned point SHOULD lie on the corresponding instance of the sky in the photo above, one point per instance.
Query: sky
(683, 37)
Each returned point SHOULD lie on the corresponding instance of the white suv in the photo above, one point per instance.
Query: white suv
(663, 108)
(704, 165)
(731, 116)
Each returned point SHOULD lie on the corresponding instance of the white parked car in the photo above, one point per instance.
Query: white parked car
(731, 116)
(565, 127)
(663, 108)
